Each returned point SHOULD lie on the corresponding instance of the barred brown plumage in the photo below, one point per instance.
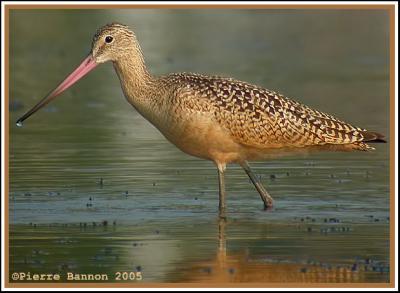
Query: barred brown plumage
(266, 112)
(216, 118)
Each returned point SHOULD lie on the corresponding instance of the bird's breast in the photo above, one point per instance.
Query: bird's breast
(197, 134)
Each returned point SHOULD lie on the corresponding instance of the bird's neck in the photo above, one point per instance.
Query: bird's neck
(137, 83)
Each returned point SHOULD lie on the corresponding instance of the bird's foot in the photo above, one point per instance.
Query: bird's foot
(269, 206)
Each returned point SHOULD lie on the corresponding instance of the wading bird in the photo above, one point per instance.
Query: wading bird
(215, 118)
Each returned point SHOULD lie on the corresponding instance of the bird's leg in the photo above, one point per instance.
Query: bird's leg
(267, 199)
(221, 181)
(221, 255)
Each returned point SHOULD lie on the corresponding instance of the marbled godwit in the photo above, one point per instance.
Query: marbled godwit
(215, 118)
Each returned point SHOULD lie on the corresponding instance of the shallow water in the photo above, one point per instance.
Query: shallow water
(94, 188)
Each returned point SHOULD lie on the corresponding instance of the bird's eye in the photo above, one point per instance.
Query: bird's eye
(109, 39)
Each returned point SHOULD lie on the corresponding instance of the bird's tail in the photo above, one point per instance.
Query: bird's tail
(370, 136)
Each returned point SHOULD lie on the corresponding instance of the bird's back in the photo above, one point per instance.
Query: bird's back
(262, 118)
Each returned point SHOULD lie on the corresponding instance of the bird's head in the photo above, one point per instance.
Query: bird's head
(113, 42)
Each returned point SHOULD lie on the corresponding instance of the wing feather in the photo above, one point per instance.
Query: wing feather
(263, 118)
